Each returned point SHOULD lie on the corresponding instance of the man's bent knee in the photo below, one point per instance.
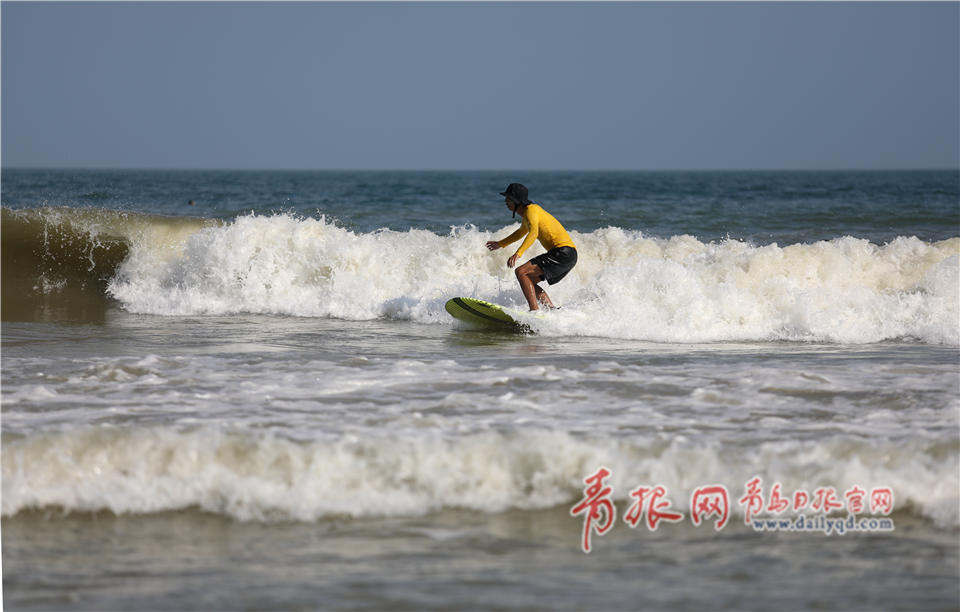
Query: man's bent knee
(529, 270)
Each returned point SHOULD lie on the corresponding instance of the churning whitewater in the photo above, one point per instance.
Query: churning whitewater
(256, 477)
(626, 285)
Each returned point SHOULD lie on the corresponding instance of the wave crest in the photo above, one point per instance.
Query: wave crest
(259, 477)
(626, 285)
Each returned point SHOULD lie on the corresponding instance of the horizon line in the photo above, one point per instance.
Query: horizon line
(485, 170)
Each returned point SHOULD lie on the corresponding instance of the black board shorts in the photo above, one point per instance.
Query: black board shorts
(555, 263)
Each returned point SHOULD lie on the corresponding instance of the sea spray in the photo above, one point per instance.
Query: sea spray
(625, 285)
(846, 290)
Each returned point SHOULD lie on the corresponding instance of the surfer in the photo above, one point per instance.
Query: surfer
(536, 224)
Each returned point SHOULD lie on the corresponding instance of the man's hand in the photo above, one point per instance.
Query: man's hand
(493, 245)
(512, 261)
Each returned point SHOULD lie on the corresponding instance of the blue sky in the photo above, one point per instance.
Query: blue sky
(643, 86)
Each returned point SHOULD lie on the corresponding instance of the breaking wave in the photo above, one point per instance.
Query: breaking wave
(249, 476)
(626, 285)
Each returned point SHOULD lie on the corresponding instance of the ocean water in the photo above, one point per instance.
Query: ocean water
(258, 401)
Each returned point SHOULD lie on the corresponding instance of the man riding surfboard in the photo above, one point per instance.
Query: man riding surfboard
(537, 224)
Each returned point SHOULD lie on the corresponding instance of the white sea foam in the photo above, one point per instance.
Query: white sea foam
(625, 285)
(257, 477)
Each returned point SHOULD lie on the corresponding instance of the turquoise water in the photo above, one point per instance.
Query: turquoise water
(260, 402)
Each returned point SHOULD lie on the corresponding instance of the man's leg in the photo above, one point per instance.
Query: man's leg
(542, 297)
(529, 274)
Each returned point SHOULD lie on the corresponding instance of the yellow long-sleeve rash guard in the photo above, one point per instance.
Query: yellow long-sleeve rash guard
(540, 225)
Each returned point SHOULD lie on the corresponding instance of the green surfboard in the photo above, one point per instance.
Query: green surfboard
(482, 313)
